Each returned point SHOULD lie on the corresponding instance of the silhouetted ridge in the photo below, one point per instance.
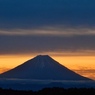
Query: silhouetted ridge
(43, 57)
(42, 67)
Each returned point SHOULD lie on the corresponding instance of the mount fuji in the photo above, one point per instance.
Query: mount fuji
(42, 67)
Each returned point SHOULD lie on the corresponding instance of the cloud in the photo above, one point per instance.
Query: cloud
(90, 73)
(50, 31)
(39, 43)
(47, 26)
(39, 13)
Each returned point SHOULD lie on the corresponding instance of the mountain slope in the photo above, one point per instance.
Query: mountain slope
(42, 67)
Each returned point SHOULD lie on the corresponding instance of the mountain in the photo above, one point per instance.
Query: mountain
(42, 67)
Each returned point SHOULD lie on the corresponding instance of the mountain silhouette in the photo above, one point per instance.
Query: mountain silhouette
(42, 67)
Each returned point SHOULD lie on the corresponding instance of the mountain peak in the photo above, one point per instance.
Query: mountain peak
(42, 61)
(44, 56)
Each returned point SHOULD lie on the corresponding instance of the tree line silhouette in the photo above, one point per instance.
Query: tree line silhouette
(50, 91)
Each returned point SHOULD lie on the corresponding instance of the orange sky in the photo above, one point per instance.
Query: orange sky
(84, 65)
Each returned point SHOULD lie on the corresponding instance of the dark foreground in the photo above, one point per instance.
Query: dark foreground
(50, 91)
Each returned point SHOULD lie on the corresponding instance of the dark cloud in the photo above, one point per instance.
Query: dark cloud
(34, 44)
(42, 13)
(64, 25)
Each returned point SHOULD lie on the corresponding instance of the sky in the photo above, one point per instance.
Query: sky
(60, 28)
